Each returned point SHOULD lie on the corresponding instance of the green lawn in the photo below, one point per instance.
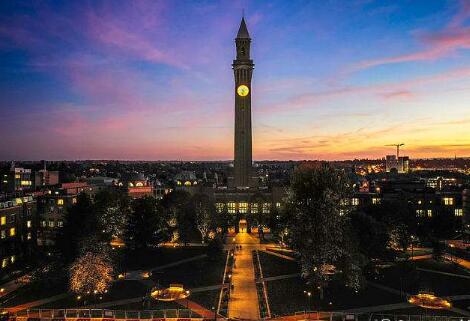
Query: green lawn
(154, 257)
(412, 281)
(274, 265)
(339, 296)
(199, 273)
(207, 299)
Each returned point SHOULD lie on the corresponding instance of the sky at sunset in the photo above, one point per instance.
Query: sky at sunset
(152, 80)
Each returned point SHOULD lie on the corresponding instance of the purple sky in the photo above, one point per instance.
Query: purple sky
(152, 79)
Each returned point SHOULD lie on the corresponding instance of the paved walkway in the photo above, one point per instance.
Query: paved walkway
(243, 303)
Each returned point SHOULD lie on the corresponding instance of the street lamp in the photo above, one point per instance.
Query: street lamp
(309, 295)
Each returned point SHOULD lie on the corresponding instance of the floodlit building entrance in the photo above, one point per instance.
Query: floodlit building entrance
(242, 226)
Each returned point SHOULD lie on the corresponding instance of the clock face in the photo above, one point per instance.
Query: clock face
(243, 90)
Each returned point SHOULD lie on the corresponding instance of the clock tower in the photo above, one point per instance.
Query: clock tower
(242, 70)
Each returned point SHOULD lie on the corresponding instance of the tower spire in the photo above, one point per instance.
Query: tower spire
(243, 30)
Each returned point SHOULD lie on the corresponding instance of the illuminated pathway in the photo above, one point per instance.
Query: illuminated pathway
(243, 302)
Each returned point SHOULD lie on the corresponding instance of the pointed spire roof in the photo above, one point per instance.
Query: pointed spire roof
(243, 31)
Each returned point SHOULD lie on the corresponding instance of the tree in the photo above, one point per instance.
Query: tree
(112, 210)
(91, 273)
(318, 226)
(204, 214)
(80, 223)
(146, 224)
(371, 234)
(179, 214)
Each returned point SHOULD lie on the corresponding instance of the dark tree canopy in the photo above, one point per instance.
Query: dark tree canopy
(318, 225)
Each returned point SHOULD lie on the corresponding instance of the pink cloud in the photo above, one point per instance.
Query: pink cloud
(453, 37)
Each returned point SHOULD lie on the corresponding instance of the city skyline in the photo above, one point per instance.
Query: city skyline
(152, 80)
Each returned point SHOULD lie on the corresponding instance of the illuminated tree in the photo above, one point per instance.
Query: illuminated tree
(318, 228)
(91, 274)
(204, 214)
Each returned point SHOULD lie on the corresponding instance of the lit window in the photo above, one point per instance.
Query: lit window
(419, 212)
(29, 236)
(139, 184)
(60, 201)
(429, 213)
(74, 200)
(4, 263)
(458, 212)
(266, 208)
(178, 183)
(43, 223)
(187, 183)
(3, 220)
(17, 176)
(448, 200)
(375, 200)
(29, 224)
(354, 201)
(341, 212)
(12, 259)
(231, 207)
(219, 207)
(243, 207)
(12, 231)
(254, 208)
(51, 224)
(60, 223)
(3, 234)
(25, 183)
(278, 205)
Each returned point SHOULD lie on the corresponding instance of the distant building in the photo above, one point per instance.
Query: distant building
(16, 179)
(400, 165)
(45, 177)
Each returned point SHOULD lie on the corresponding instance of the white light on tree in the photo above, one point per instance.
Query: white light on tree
(90, 274)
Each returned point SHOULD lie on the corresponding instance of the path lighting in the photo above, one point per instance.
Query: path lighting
(429, 301)
(79, 297)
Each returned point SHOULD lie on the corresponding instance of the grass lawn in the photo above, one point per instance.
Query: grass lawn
(34, 291)
(274, 265)
(204, 272)
(154, 257)
(207, 299)
(443, 266)
(154, 305)
(340, 297)
(413, 281)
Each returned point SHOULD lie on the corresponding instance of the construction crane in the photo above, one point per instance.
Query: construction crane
(398, 148)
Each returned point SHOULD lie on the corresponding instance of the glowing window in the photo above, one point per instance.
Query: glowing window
(12, 231)
(17, 176)
(74, 200)
(278, 205)
(60, 201)
(3, 220)
(376, 200)
(187, 183)
(3, 234)
(429, 213)
(254, 208)
(25, 183)
(231, 207)
(266, 208)
(219, 207)
(178, 183)
(51, 223)
(29, 236)
(139, 184)
(448, 200)
(355, 201)
(29, 224)
(458, 212)
(60, 223)
(243, 207)
(420, 213)
(4, 263)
